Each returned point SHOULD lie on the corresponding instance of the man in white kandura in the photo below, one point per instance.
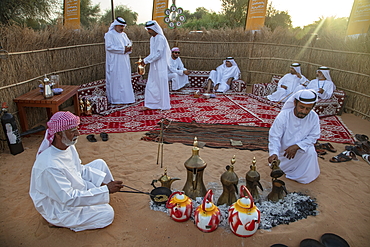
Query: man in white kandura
(157, 95)
(220, 79)
(323, 85)
(288, 83)
(118, 67)
(292, 137)
(65, 192)
(177, 73)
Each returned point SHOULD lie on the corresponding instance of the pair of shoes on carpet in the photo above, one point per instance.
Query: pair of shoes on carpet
(103, 136)
(344, 156)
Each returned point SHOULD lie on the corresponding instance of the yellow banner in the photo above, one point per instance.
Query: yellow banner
(359, 21)
(256, 14)
(159, 6)
(72, 14)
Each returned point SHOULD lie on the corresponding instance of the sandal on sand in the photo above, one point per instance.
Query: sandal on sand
(91, 138)
(321, 151)
(366, 157)
(343, 157)
(104, 136)
(319, 148)
(362, 138)
(361, 149)
(328, 147)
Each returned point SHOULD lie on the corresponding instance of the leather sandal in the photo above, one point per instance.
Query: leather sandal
(343, 157)
(366, 157)
(361, 149)
(104, 136)
(362, 138)
(91, 138)
(321, 151)
(328, 147)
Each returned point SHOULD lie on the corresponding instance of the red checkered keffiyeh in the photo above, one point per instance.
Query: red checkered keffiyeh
(60, 121)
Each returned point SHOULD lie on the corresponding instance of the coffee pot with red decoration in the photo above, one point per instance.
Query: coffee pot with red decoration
(244, 216)
(179, 206)
(207, 216)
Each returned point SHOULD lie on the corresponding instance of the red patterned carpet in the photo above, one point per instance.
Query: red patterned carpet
(224, 109)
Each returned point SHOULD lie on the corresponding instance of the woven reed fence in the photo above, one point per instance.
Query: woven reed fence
(79, 57)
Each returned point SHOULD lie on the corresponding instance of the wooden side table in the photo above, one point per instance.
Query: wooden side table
(35, 99)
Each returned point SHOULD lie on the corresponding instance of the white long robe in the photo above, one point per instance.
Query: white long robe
(291, 82)
(118, 68)
(222, 74)
(328, 87)
(176, 73)
(157, 95)
(288, 130)
(67, 193)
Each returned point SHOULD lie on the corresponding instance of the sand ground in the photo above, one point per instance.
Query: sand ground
(342, 193)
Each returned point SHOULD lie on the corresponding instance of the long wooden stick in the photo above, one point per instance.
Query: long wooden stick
(280, 101)
(160, 144)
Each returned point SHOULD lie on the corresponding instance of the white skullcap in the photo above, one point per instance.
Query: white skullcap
(305, 96)
(175, 49)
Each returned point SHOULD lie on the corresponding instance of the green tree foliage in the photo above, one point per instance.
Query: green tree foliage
(120, 11)
(89, 14)
(235, 12)
(26, 11)
(204, 19)
(329, 24)
(276, 18)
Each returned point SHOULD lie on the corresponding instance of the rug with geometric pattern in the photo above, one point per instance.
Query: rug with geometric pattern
(231, 109)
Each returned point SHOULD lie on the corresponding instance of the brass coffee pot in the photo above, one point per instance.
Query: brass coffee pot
(165, 180)
(277, 192)
(276, 171)
(195, 165)
(229, 181)
(140, 68)
(253, 180)
(278, 186)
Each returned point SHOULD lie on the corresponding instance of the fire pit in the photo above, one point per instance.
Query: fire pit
(295, 206)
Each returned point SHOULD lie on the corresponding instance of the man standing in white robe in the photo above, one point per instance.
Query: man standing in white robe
(323, 85)
(177, 73)
(65, 192)
(288, 83)
(292, 137)
(118, 67)
(220, 79)
(157, 95)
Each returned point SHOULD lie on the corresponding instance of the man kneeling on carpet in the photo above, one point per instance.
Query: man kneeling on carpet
(292, 137)
(65, 192)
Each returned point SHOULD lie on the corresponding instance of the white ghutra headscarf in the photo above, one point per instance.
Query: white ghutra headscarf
(296, 67)
(232, 71)
(118, 21)
(325, 71)
(305, 96)
(154, 26)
